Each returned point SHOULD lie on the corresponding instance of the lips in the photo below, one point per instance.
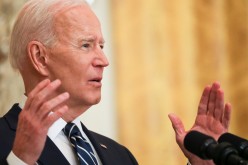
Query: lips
(96, 82)
(96, 79)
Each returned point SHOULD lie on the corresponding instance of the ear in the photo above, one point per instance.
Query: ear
(37, 54)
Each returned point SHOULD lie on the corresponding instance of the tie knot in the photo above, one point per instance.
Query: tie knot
(71, 130)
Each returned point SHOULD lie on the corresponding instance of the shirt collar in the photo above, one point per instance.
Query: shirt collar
(56, 128)
(22, 101)
(58, 125)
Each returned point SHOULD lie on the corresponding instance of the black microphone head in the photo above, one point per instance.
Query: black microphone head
(197, 143)
(239, 143)
(231, 138)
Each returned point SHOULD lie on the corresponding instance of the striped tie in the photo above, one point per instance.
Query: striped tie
(82, 148)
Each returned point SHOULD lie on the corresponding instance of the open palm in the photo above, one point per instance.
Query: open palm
(212, 118)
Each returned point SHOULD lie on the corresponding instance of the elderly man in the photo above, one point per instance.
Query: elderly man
(57, 47)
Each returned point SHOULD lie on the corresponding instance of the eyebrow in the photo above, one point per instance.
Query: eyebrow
(92, 39)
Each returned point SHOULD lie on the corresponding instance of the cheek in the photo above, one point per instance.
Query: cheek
(59, 68)
(73, 72)
(70, 64)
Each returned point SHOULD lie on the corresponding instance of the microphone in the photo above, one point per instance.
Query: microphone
(206, 147)
(239, 143)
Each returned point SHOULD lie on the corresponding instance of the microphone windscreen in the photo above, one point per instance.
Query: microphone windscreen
(197, 143)
(233, 139)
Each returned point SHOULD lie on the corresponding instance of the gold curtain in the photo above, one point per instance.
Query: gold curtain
(11, 86)
(165, 53)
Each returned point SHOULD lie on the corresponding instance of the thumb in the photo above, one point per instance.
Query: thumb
(177, 124)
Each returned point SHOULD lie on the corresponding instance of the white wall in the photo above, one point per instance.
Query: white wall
(101, 118)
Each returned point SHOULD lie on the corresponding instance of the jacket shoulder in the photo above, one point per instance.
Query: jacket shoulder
(7, 131)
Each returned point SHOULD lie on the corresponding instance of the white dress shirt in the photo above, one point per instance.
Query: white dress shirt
(56, 134)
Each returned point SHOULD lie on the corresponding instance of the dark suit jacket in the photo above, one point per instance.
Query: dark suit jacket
(112, 154)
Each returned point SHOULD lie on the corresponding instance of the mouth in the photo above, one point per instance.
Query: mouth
(96, 81)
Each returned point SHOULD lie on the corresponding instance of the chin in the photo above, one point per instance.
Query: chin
(97, 100)
(92, 101)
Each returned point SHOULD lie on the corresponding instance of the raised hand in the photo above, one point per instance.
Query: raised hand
(41, 110)
(213, 119)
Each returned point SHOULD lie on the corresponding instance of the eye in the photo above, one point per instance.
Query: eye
(86, 45)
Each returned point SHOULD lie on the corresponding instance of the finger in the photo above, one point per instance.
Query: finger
(212, 98)
(227, 115)
(55, 116)
(43, 95)
(202, 108)
(37, 89)
(219, 105)
(50, 105)
(177, 125)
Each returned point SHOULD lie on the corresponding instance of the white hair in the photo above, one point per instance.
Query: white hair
(35, 22)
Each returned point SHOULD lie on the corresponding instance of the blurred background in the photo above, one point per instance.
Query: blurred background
(162, 54)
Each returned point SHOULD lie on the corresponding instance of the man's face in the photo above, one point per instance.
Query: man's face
(77, 58)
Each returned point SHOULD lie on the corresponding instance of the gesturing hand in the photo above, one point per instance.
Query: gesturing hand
(213, 119)
(36, 118)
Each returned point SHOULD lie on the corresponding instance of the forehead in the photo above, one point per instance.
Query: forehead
(77, 19)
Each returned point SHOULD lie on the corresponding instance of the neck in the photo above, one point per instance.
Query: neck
(74, 112)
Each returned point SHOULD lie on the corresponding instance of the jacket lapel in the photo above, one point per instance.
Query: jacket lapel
(100, 148)
(52, 155)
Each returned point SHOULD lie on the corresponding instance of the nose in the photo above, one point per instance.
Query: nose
(100, 60)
